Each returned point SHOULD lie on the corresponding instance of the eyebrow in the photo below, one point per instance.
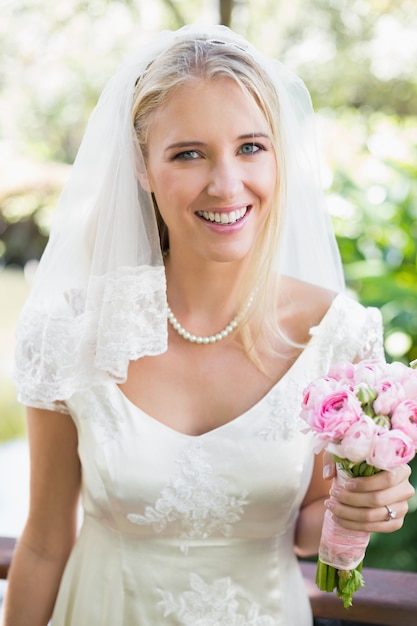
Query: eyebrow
(255, 136)
(184, 144)
(191, 142)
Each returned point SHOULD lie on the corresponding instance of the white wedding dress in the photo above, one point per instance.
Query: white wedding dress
(198, 531)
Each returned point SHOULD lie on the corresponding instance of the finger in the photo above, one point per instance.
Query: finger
(372, 499)
(379, 481)
(368, 519)
(329, 466)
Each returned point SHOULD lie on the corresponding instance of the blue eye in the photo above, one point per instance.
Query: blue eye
(187, 155)
(250, 148)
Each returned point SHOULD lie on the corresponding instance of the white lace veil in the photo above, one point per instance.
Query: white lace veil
(99, 295)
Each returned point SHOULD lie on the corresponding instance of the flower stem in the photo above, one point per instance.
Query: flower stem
(345, 582)
(325, 576)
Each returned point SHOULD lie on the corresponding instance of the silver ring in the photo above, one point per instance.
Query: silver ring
(392, 513)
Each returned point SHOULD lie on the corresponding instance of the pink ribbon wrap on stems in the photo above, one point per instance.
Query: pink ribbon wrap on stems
(340, 547)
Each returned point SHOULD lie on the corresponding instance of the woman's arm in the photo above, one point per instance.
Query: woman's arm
(310, 519)
(360, 505)
(50, 531)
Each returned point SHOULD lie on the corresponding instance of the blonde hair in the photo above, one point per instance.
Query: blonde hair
(209, 60)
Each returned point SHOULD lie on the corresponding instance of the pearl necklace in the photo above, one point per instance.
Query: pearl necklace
(211, 338)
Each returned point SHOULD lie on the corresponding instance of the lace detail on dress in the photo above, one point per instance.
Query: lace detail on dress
(79, 341)
(349, 333)
(373, 346)
(283, 422)
(103, 413)
(221, 603)
(197, 499)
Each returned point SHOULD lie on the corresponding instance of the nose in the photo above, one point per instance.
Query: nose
(225, 180)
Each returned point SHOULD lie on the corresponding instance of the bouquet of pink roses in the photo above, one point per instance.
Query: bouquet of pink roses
(365, 414)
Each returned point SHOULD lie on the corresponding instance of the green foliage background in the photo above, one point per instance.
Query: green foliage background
(358, 58)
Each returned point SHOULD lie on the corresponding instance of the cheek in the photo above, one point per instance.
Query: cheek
(162, 184)
(267, 180)
(176, 189)
(171, 195)
(274, 174)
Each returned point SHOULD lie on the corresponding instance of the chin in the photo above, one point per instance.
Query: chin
(229, 256)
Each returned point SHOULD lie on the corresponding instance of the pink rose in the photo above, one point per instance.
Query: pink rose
(358, 441)
(410, 385)
(392, 448)
(317, 390)
(399, 371)
(389, 395)
(370, 372)
(334, 414)
(405, 418)
(342, 371)
(404, 375)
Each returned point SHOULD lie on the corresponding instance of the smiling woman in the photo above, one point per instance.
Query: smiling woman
(213, 189)
(196, 184)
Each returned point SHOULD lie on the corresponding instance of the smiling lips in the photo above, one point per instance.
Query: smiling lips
(223, 218)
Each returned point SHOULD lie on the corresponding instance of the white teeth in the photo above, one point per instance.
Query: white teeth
(223, 218)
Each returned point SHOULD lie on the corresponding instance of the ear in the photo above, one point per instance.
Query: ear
(144, 181)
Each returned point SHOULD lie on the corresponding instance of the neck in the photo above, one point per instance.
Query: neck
(208, 288)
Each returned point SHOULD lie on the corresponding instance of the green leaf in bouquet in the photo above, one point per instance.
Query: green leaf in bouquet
(349, 581)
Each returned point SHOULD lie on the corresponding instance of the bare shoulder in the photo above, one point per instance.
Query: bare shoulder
(302, 306)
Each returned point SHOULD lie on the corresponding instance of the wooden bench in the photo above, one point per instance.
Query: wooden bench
(389, 598)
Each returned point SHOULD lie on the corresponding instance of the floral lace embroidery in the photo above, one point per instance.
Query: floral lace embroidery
(218, 604)
(283, 422)
(352, 332)
(197, 499)
(372, 347)
(103, 413)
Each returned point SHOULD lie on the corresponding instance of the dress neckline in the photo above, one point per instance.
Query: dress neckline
(241, 417)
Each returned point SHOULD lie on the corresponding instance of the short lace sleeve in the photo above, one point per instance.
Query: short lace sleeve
(75, 340)
(349, 332)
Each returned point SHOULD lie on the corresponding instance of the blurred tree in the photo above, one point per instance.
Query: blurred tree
(226, 10)
(184, 14)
